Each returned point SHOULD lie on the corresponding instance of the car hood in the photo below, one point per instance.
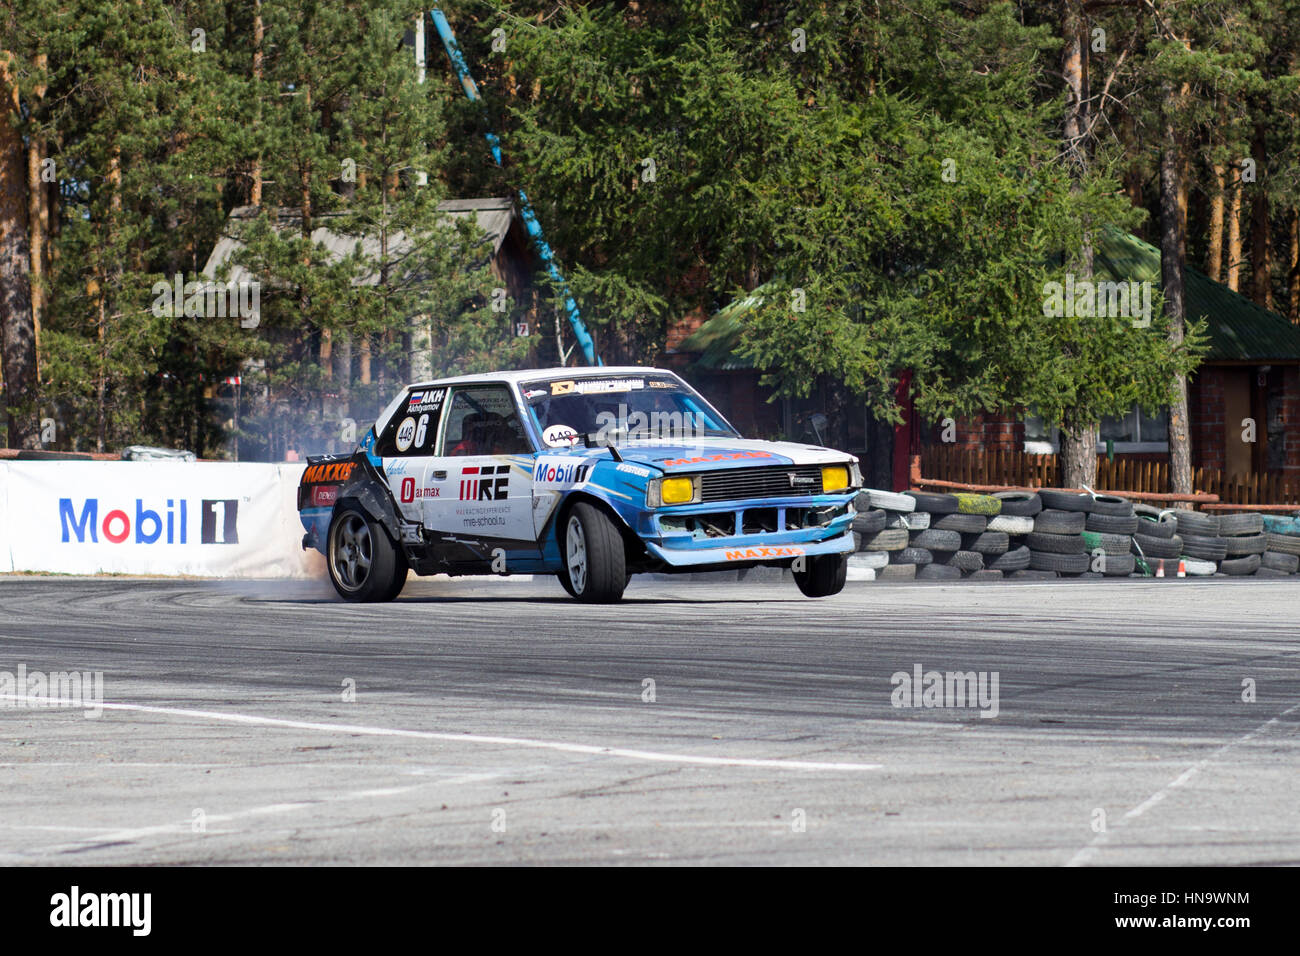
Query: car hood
(712, 454)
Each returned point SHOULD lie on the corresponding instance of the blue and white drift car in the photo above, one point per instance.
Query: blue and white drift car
(590, 474)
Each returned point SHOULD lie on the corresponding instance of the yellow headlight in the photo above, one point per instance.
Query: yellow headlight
(835, 478)
(676, 491)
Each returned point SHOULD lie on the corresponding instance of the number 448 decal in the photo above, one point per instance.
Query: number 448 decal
(412, 433)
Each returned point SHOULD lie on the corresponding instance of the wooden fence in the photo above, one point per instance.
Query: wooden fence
(948, 463)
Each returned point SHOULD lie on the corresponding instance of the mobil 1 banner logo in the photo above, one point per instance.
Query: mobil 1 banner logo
(220, 521)
(145, 521)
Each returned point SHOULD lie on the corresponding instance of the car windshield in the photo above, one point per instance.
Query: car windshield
(621, 408)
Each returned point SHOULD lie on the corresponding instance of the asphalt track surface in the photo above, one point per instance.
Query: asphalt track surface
(498, 722)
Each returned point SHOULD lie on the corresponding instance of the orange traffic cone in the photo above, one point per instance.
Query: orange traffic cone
(1160, 568)
(1182, 568)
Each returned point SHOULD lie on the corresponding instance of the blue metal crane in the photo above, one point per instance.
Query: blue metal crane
(529, 217)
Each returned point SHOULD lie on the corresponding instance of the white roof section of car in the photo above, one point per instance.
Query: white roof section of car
(528, 375)
(514, 378)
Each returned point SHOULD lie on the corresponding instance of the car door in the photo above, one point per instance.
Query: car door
(483, 471)
(407, 448)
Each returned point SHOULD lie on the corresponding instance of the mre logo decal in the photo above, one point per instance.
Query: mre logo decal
(486, 483)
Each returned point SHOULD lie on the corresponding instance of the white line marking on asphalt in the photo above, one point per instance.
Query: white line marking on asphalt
(1100, 840)
(131, 834)
(563, 747)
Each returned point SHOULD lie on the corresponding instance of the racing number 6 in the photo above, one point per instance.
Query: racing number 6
(420, 430)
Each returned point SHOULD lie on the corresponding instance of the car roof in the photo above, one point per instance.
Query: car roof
(523, 375)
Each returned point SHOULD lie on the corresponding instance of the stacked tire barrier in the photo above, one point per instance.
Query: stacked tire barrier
(1053, 533)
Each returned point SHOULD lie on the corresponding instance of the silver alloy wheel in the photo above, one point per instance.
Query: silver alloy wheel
(352, 551)
(575, 555)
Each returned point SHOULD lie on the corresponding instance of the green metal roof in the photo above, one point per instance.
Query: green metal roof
(1237, 328)
(719, 337)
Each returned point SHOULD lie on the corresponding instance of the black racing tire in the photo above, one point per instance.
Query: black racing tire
(938, 572)
(1119, 565)
(891, 539)
(364, 563)
(1165, 527)
(1054, 544)
(1205, 547)
(972, 504)
(1032, 575)
(1108, 543)
(1158, 547)
(1237, 525)
(1066, 500)
(1019, 504)
(1151, 511)
(887, 500)
(962, 523)
(907, 520)
(935, 504)
(1016, 559)
(1012, 524)
(1264, 572)
(1283, 543)
(595, 562)
(967, 561)
(916, 556)
(897, 572)
(1289, 563)
(985, 574)
(987, 542)
(1196, 523)
(1113, 524)
(868, 523)
(1239, 567)
(933, 540)
(1054, 521)
(823, 576)
(1056, 561)
(1111, 505)
(1238, 546)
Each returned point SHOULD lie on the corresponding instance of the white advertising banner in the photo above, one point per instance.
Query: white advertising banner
(203, 519)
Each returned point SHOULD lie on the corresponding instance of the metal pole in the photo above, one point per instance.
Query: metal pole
(531, 225)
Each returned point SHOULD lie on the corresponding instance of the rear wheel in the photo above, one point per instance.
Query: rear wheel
(364, 564)
(823, 575)
(595, 565)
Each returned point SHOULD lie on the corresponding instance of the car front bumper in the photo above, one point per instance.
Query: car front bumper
(665, 538)
(750, 553)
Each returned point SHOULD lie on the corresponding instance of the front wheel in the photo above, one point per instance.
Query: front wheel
(823, 575)
(595, 565)
(364, 563)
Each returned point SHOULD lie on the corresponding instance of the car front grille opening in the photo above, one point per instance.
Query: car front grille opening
(720, 525)
(759, 521)
(796, 519)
